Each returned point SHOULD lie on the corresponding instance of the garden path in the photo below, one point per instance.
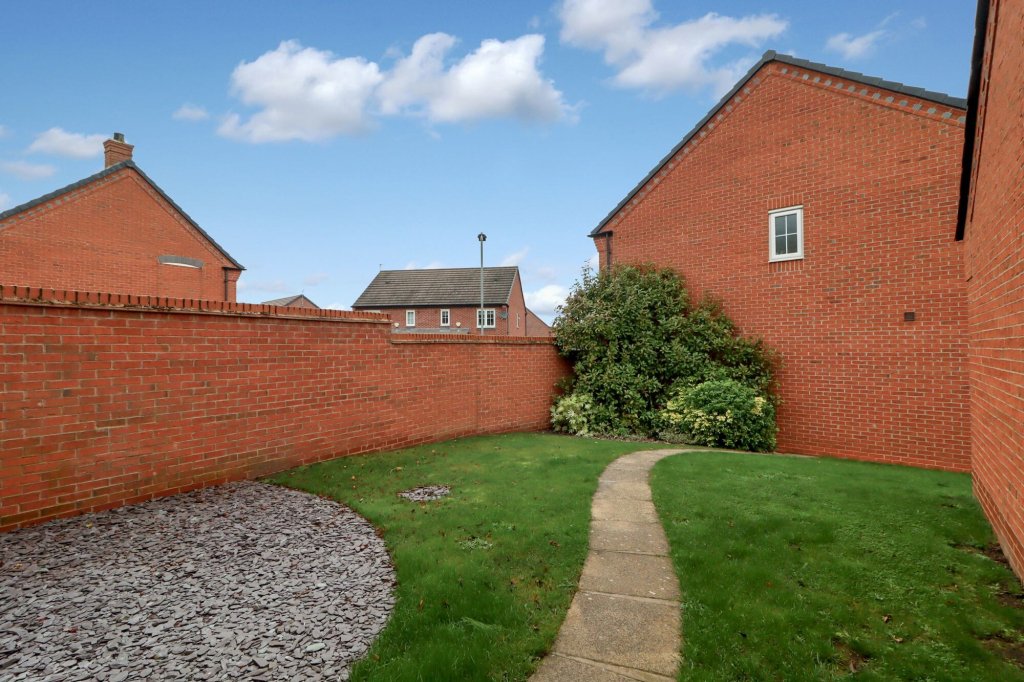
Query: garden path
(624, 622)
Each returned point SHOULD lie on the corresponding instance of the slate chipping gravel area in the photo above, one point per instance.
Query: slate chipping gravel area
(243, 581)
(426, 493)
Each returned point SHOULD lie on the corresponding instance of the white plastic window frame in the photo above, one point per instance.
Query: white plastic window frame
(487, 316)
(410, 318)
(774, 257)
(445, 317)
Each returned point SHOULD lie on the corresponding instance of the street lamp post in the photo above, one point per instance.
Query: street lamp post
(480, 317)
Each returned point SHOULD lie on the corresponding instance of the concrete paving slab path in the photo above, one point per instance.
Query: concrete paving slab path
(624, 622)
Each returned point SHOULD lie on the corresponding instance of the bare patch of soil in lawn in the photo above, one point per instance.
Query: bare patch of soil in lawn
(847, 659)
(1010, 650)
(992, 550)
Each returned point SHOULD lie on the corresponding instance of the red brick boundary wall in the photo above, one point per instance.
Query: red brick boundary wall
(994, 240)
(110, 400)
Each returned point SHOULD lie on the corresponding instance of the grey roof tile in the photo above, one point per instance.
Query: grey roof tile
(288, 300)
(438, 287)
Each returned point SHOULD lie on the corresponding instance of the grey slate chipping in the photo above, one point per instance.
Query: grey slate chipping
(110, 171)
(772, 56)
(438, 287)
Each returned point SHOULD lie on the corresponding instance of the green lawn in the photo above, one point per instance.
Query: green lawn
(791, 568)
(818, 569)
(486, 575)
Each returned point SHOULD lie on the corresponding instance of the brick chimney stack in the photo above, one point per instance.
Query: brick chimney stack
(116, 150)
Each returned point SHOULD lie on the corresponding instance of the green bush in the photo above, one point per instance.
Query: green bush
(622, 333)
(722, 413)
(633, 341)
(713, 350)
(573, 413)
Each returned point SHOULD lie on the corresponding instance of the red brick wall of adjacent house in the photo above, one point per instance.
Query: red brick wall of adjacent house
(115, 399)
(994, 240)
(107, 236)
(877, 175)
(461, 318)
(536, 326)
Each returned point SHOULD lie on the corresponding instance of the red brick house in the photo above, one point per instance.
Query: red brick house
(115, 231)
(818, 205)
(992, 229)
(447, 301)
(297, 301)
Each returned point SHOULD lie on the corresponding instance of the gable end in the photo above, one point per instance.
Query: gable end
(868, 88)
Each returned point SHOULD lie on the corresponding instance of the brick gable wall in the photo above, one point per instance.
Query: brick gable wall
(110, 400)
(994, 240)
(107, 236)
(877, 174)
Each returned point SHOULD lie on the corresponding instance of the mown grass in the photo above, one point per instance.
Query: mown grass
(817, 569)
(486, 575)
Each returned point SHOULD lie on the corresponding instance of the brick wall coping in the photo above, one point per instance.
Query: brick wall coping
(411, 339)
(36, 296)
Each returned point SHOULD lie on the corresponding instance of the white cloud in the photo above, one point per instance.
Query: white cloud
(336, 306)
(855, 47)
(543, 301)
(190, 112)
(26, 170)
(593, 263)
(545, 273)
(303, 94)
(890, 29)
(499, 79)
(314, 279)
(60, 142)
(5, 201)
(515, 258)
(663, 58)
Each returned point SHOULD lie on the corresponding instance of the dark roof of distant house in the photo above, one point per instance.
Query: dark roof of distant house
(772, 56)
(110, 171)
(438, 287)
(289, 300)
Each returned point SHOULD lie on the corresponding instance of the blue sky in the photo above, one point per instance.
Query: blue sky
(318, 141)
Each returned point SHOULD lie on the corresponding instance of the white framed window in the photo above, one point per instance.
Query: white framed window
(485, 318)
(517, 320)
(786, 233)
(410, 318)
(446, 317)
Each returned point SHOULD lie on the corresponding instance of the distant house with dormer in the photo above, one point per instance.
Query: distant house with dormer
(114, 232)
(447, 301)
